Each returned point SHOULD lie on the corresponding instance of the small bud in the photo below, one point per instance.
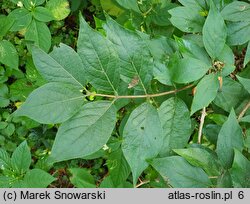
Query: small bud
(194, 91)
(105, 147)
(221, 82)
(20, 4)
(32, 4)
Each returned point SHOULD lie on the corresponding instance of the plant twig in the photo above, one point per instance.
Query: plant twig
(213, 177)
(148, 11)
(141, 183)
(203, 115)
(142, 96)
(242, 113)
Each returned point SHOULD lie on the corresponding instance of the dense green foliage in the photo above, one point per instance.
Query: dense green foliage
(118, 93)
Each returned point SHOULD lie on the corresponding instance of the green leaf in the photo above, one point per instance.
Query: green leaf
(108, 183)
(129, 4)
(160, 15)
(63, 64)
(160, 47)
(189, 48)
(111, 7)
(219, 119)
(15, 1)
(32, 73)
(99, 58)
(3, 125)
(36, 178)
(205, 93)
(202, 158)
(30, 4)
(224, 180)
(118, 167)
(42, 14)
(27, 4)
(247, 138)
(227, 58)
(22, 19)
(180, 174)
(20, 89)
(81, 178)
(142, 138)
(176, 124)
(245, 82)
(214, 32)
(100, 153)
(5, 181)
(240, 171)
(247, 55)
(201, 4)
(4, 92)
(245, 119)
(89, 130)
(39, 33)
(236, 11)
(238, 33)
(60, 9)
(136, 60)
(5, 161)
(9, 130)
(38, 2)
(187, 70)
(8, 54)
(187, 19)
(230, 137)
(231, 94)
(52, 103)
(21, 158)
(6, 24)
(245, 73)
(161, 73)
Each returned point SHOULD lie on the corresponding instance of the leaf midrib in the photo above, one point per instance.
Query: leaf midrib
(99, 61)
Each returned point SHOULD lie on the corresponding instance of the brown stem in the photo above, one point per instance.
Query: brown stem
(203, 115)
(242, 113)
(141, 183)
(142, 96)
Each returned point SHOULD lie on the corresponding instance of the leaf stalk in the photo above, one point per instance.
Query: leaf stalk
(141, 96)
